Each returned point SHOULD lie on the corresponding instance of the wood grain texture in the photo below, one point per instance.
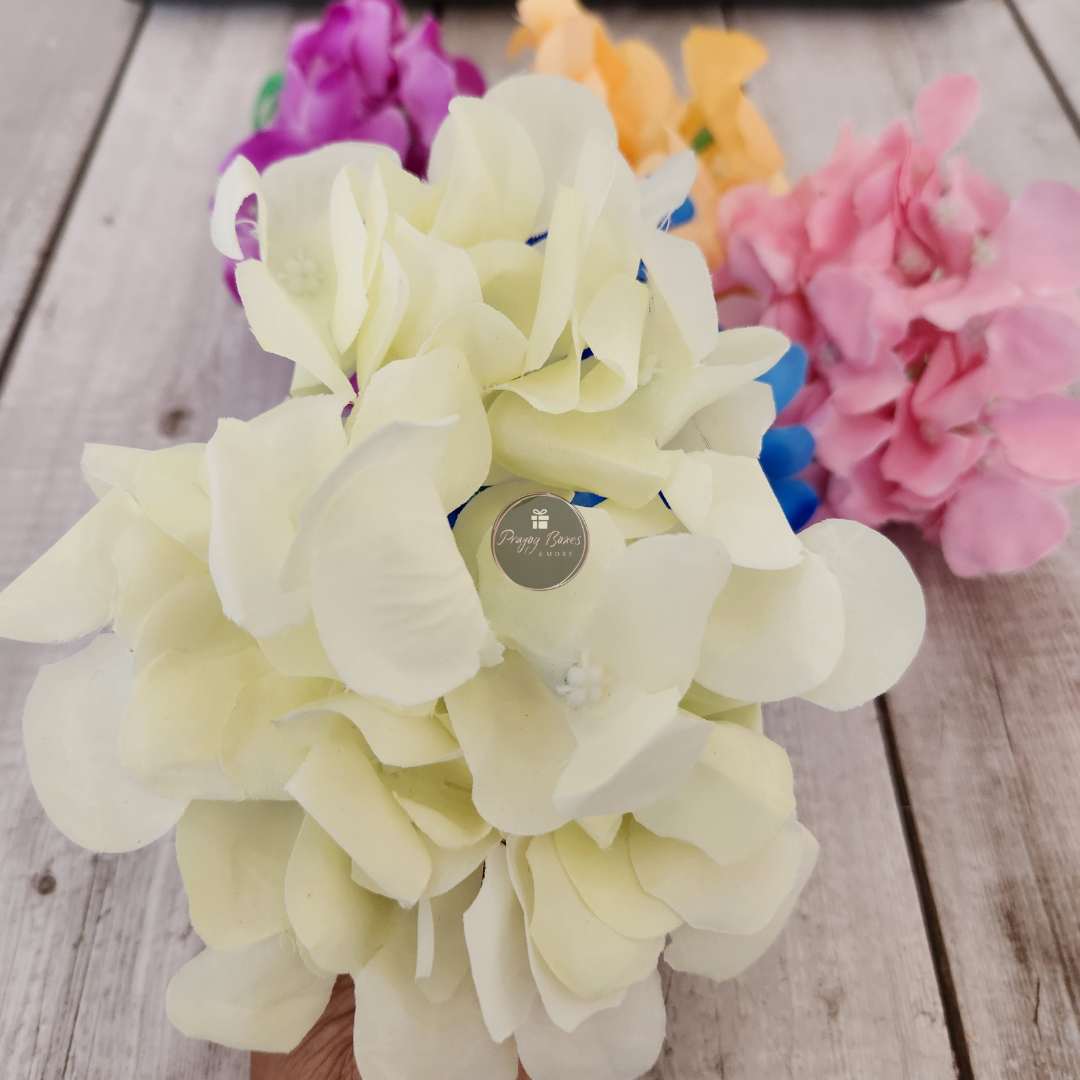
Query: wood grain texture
(60, 60)
(849, 992)
(985, 723)
(849, 989)
(133, 340)
(1055, 27)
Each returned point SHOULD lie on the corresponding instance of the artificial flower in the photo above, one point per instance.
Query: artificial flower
(718, 121)
(324, 685)
(943, 326)
(360, 73)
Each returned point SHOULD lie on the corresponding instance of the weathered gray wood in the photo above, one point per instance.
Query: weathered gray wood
(849, 991)
(133, 340)
(985, 721)
(59, 60)
(1055, 27)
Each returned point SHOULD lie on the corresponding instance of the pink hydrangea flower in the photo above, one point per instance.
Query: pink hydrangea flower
(362, 74)
(943, 326)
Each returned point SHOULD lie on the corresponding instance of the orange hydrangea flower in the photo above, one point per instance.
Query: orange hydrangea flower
(718, 121)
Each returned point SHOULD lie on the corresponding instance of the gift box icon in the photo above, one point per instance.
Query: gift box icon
(539, 518)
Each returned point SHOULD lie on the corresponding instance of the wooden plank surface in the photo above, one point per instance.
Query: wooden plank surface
(849, 992)
(132, 340)
(60, 60)
(985, 723)
(1054, 26)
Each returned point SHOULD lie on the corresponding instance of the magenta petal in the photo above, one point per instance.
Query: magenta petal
(388, 127)
(1032, 351)
(997, 523)
(1041, 436)
(265, 147)
(1039, 240)
(427, 86)
(945, 110)
(469, 79)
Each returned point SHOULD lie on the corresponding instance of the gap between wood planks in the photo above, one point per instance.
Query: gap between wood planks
(950, 1000)
(10, 347)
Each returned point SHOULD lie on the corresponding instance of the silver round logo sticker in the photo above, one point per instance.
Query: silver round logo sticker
(540, 541)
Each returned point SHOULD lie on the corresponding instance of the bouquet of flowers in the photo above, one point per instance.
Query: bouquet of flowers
(943, 326)
(494, 805)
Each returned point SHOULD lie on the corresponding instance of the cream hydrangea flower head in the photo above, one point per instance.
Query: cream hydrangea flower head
(494, 808)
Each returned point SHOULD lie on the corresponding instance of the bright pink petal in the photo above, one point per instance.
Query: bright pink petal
(945, 395)
(1032, 351)
(861, 313)
(1038, 243)
(997, 523)
(983, 292)
(945, 110)
(864, 389)
(1041, 436)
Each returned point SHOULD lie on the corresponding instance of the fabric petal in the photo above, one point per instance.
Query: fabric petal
(884, 613)
(340, 924)
(262, 997)
(774, 633)
(232, 858)
(71, 730)
(735, 800)
(71, 589)
(1041, 436)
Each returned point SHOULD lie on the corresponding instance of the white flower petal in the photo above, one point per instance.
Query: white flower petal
(744, 513)
(493, 345)
(884, 613)
(435, 385)
(580, 451)
(558, 115)
(263, 997)
(679, 277)
(237, 182)
(349, 239)
(438, 800)
(612, 328)
(298, 651)
(450, 866)
(632, 749)
(400, 1035)
(388, 297)
(71, 589)
(169, 489)
(622, 1043)
(105, 467)
(498, 953)
(666, 188)
(584, 953)
(447, 964)
(255, 754)
(171, 735)
(338, 786)
(723, 956)
(395, 737)
(149, 564)
(733, 424)
(251, 532)
(516, 741)
(442, 281)
(71, 730)
(340, 924)
(773, 633)
(566, 1009)
(494, 181)
(603, 828)
(646, 630)
(281, 327)
(232, 857)
(735, 800)
(608, 884)
(189, 619)
(737, 899)
(509, 275)
(652, 519)
(396, 610)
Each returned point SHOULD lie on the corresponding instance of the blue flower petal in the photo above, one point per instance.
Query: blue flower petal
(680, 215)
(586, 498)
(786, 375)
(786, 450)
(797, 499)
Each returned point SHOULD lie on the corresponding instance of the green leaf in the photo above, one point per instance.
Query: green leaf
(266, 104)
